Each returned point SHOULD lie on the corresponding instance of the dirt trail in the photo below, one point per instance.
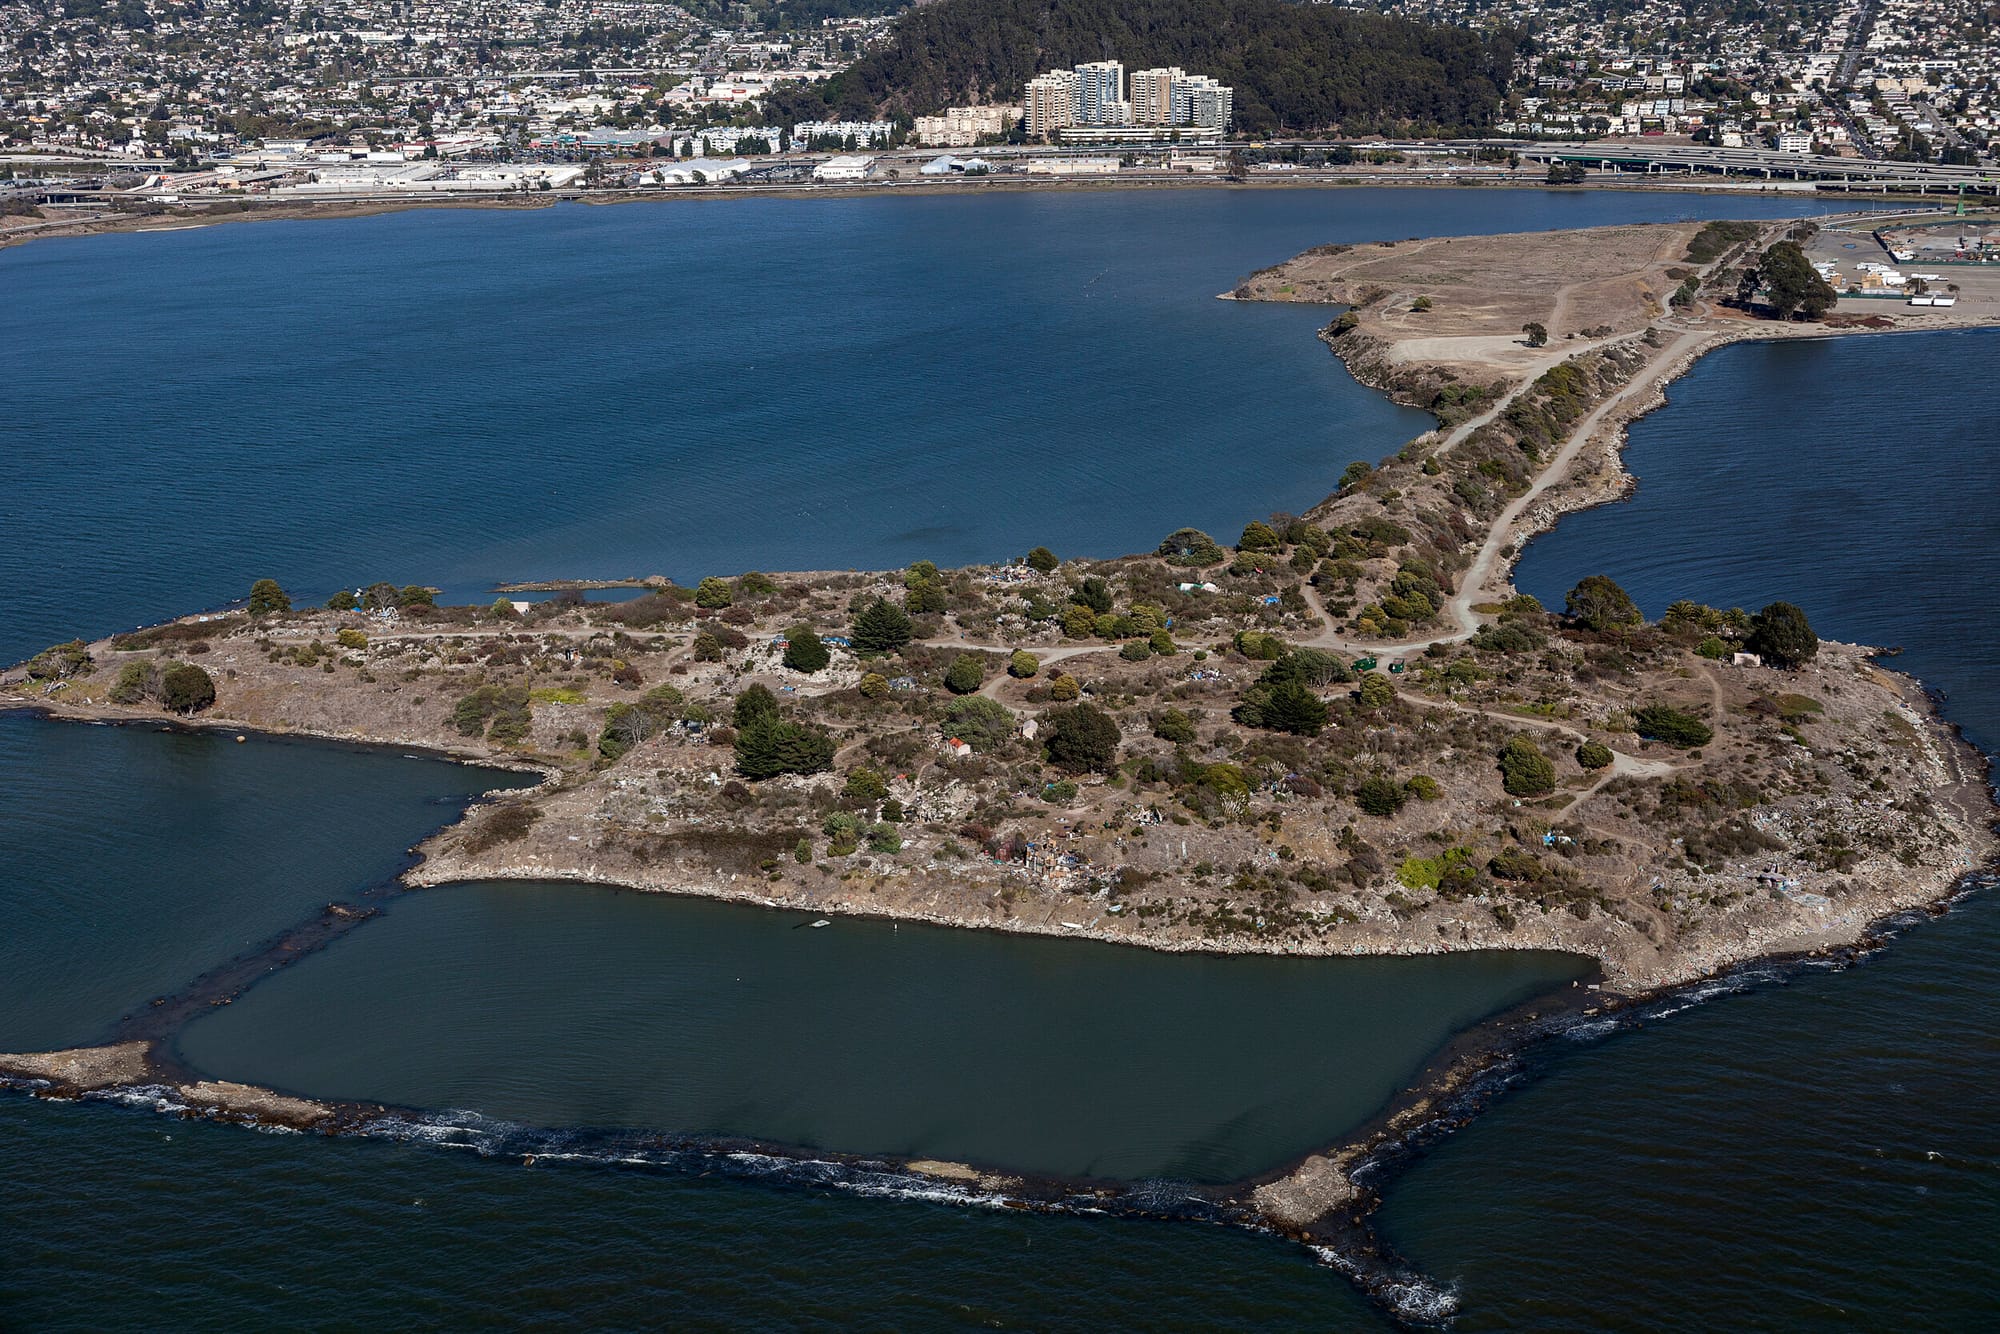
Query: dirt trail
(1473, 586)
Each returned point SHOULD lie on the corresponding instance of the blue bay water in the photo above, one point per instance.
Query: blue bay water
(1813, 1154)
(467, 397)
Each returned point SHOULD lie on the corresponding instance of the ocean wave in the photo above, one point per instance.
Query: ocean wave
(1412, 1298)
(162, 1098)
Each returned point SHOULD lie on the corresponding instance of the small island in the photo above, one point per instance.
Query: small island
(1338, 733)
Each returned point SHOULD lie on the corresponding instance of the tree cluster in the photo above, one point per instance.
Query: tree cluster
(1294, 67)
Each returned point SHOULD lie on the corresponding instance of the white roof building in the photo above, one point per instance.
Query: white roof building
(710, 169)
(853, 167)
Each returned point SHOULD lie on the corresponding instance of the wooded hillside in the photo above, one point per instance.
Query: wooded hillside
(1295, 67)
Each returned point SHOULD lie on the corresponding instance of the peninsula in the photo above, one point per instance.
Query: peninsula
(1342, 733)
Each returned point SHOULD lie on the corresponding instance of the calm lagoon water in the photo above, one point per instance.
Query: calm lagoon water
(468, 397)
(133, 859)
(560, 1005)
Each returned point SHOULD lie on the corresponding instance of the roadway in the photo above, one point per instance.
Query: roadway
(1695, 158)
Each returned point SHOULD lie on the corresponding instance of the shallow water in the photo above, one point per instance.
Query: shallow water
(566, 1005)
(133, 859)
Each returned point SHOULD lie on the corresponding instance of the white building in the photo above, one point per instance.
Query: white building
(696, 171)
(864, 133)
(1073, 166)
(947, 165)
(963, 127)
(847, 168)
(727, 138)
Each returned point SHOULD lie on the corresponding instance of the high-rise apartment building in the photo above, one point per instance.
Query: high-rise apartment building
(1050, 103)
(1153, 95)
(1200, 100)
(1097, 101)
(1100, 93)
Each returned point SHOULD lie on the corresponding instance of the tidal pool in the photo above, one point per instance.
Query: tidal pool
(566, 1005)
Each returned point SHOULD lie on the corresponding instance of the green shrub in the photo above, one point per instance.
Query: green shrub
(1657, 722)
(1258, 537)
(1598, 603)
(984, 724)
(1453, 864)
(1258, 646)
(351, 638)
(713, 593)
(266, 597)
(1042, 559)
(1190, 547)
(882, 627)
(1515, 864)
(965, 675)
(1175, 726)
(1380, 796)
(1081, 739)
(59, 662)
(1093, 593)
(186, 688)
(134, 683)
(1023, 664)
(804, 652)
(1524, 770)
(864, 787)
(1593, 755)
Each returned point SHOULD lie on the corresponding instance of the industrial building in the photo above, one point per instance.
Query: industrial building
(852, 167)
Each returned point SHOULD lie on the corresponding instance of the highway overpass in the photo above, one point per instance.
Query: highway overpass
(1695, 159)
